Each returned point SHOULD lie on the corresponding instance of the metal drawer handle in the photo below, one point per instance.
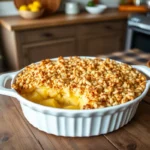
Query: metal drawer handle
(47, 35)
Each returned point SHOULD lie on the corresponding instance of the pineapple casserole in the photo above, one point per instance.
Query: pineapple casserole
(79, 83)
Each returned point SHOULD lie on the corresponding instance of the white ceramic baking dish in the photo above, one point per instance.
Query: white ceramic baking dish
(75, 123)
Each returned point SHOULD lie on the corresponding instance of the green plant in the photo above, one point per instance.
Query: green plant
(91, 3)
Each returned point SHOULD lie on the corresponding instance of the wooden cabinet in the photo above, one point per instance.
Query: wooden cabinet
(28, 46)
(48, 49)
(46, 34)
(24, 47)
(101, 38)
(47, 43)
(96, 45)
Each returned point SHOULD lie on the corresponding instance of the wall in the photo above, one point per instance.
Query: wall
(7, 8)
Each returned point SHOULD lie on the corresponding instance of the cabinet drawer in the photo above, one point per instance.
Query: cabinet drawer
(44, 34)
(34, 52)
(102, 28)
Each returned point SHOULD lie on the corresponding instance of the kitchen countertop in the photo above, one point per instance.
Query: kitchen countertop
(59, 19)
(17, 133)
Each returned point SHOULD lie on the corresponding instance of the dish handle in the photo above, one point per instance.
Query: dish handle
(143, 69)
(3, 80)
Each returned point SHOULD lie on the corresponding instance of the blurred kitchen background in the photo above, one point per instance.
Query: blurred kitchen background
(71, 27)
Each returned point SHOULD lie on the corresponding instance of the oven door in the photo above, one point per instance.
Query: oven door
(137, 38)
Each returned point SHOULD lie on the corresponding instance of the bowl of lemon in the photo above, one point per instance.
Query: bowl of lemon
(32, 10)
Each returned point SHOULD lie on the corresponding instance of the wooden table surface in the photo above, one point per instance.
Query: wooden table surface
(17, 134)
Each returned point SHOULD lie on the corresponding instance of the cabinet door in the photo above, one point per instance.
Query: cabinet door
(49, 49)
(96, 45)
(101, 38)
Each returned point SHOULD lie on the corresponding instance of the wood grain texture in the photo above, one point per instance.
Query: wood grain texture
(136, 134)
(140, 126)
(60, 19)
(147, 97)
(14, 133)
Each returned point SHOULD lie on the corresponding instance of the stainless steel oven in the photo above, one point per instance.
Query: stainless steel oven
(138, 32)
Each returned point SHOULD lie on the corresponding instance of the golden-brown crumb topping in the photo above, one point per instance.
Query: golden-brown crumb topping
(102, 82)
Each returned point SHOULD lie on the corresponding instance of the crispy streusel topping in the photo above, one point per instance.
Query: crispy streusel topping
(103, 82)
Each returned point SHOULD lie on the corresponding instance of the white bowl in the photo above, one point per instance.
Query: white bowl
(75, 123)
(95, 9)
(31, 15)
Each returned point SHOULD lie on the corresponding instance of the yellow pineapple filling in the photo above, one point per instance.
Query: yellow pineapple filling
(79, 83)
(54, 98)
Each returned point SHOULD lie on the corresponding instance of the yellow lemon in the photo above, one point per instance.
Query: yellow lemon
(35, 9)
(23, 7)
(37, 4)
(30, 6)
